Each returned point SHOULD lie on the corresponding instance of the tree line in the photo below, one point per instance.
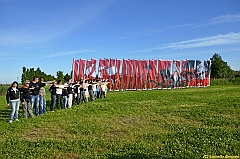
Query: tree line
(219, 69)
(29, 73)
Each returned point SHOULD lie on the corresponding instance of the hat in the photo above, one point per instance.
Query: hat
(27, 81)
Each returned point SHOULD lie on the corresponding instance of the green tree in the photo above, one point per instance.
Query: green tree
(220, 68)
(24, 75)
(60, 76)
(28, 74)
(66, 77)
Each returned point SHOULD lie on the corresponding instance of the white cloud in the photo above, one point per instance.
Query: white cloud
(230, 38)
(231, 18)
(66, 53)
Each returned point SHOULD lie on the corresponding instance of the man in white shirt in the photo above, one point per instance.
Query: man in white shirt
(59, 87)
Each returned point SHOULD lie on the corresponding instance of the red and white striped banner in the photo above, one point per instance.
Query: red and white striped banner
(176, 73)
(124, 75)
(144, 74)
(152, 70)
(91, 69)
(82, 68)
(118, 64)
(112, 73)
(129, 74)
(207, 69)
(76, 70)
(191, 73)
(134, 74)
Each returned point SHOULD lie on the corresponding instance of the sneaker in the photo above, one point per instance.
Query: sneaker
(52, 111)
(16, 120)
(10, 121)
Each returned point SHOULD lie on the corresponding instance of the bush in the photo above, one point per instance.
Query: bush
(225, 81)
(235, 81)
(221, 82)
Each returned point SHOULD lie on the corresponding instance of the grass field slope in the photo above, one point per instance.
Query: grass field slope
(179, 123)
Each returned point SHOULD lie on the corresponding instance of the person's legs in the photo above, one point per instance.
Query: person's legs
(61, 102)
(44, 104)
(91, 95)
(58, 100)
(32, 99)
(84, 97)
(65, 102)
(80, 97)
(13, 106)
(41, 104)
(24, 107)
(69, 100)
(36, 103)
(29, 108)
(53, 98)
(17, 103)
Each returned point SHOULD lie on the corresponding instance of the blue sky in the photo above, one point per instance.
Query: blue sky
(50, 33)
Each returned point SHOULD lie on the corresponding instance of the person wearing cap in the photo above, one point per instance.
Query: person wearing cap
(25, 99)
(12, 98)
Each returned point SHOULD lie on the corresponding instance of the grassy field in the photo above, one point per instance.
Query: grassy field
(180, 123)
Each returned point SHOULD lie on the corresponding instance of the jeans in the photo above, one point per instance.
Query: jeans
(59, 100)
(35, 102)
(15, 108)
(53, 99)
(91, 95)
(82, 95)
(42, 104)
(65, 102)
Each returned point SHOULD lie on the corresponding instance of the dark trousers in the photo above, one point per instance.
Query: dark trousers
(53, 98)
(59, 101)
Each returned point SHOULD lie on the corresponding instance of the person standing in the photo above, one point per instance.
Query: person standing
(82, 92)
(76, 90)
(12, 98)
(59, 90)
(25, 99)
(69, 89)
(34, 86)
(53, 90)
(42, 97)
(65, 97)
(90, 91)
(94, 88)
(70, 95)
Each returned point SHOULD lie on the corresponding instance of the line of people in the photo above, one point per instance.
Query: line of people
(33, 95)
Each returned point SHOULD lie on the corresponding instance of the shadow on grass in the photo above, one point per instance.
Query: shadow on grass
(4, 114)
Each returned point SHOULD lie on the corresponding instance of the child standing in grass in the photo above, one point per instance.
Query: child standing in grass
(12, 98)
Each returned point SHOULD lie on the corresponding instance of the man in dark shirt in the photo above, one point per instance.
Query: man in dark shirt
(34, 86)
(53, 90)
(25, 99)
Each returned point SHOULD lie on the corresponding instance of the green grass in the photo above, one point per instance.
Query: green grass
(180, 123)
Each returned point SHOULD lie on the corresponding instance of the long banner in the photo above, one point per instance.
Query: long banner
(135, 74)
